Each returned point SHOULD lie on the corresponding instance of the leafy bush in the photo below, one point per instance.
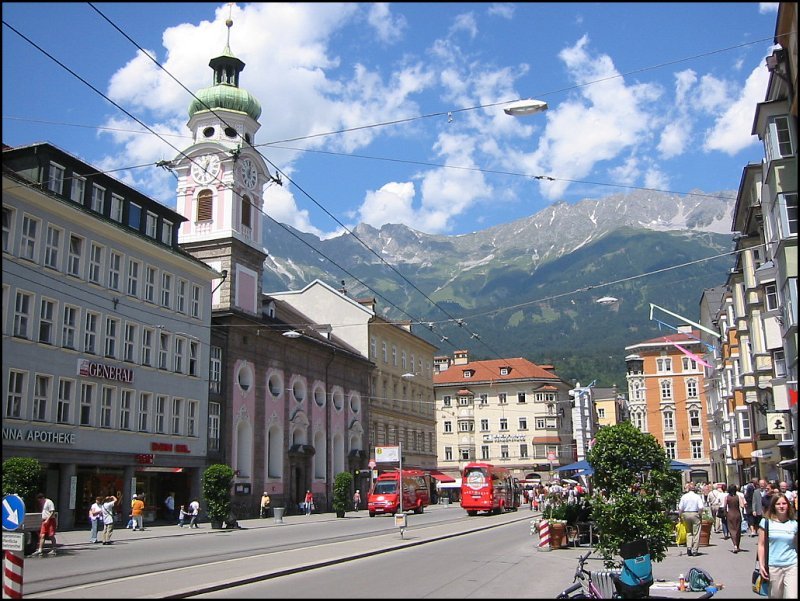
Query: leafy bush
(342, 484)
(22, 476)
(634, 491)
(217, 481)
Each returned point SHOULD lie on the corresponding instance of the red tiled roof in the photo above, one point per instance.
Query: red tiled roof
(483, 371)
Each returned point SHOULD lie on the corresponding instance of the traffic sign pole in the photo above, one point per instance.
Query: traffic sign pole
(13, 539)
(13, 566)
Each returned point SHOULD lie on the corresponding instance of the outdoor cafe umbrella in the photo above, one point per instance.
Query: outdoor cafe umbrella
(586, 468)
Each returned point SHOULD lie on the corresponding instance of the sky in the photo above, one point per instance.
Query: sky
(643, 95)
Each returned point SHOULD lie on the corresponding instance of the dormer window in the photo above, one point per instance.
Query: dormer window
(467, 373)
(504, 371)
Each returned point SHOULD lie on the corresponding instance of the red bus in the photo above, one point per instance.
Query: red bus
(383, 497)
(489, 488)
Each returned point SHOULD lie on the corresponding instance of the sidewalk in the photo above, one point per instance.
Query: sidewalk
(80, 536)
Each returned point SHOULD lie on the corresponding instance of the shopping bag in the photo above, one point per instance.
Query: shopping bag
(760, 585)
(680, 537)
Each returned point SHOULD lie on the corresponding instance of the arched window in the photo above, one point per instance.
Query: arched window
(205, 205)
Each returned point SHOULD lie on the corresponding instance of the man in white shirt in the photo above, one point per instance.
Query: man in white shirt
(48, 527)
(690, 509)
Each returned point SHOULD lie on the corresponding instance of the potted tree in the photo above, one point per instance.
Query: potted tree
(342, 484)
(706, 523)
(217, 481)
(635, 489)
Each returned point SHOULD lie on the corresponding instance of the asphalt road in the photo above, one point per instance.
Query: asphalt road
(368, 553)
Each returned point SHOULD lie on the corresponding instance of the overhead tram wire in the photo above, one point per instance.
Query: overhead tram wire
(498, 172)
(375, 125)
(300, 188)
(180, 152)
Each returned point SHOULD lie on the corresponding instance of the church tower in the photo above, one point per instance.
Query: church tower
(221, 179)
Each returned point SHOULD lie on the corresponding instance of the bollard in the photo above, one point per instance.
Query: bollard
(544, 535)
(12, 574)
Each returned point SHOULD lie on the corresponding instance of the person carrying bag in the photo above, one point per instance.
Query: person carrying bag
(777, 550)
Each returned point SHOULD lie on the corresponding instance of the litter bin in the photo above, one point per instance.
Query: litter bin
(278, 513)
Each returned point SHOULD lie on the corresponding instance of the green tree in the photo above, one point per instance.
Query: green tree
(342, 484)
(634, 490)
(22, 476)
(217, 481)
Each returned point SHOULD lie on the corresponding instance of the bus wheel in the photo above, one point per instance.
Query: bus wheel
(472, 512)
(419, 509)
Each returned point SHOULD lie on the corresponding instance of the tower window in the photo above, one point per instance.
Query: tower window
(247, 138)
(208, 132)
(205, 205)
(246, 219)
(230, 132)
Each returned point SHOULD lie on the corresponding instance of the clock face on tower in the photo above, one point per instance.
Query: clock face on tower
(205, 168)
(248, 173)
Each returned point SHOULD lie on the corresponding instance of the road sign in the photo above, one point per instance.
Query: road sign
(13, 512)
(13, 541)
(372, 464)
(551, 456)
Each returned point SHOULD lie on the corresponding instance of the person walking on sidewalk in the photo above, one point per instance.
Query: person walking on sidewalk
(108, 518)
(96, 518)
(137, 513)
(733, 516)
(356, 500)
(308, 502)
(194, 511)
(48, 527)
(777, 536)
(690, 509)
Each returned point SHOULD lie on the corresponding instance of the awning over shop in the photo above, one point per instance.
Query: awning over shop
(788, 462)
(442, 477)
(449, 485)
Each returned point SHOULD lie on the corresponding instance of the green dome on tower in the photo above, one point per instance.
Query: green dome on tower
(226, 93)
(225, 96)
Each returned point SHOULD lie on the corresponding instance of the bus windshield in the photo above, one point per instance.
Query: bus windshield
(385, 488)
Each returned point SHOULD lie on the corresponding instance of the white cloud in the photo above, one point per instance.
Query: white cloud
(713, 94)
(767, 7)
(392, 203)
(674, 138)
(731, 130)
(282, 207)
(389, 27)
(502, 9)
(465, 22)
(602, 121)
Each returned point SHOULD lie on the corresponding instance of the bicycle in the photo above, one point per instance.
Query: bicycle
(601, 584)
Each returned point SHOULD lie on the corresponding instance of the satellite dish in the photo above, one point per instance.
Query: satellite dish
(607, 300)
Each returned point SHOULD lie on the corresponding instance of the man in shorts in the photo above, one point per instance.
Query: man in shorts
(48, 528)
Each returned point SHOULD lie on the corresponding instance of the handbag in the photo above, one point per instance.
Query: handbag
(760, 585)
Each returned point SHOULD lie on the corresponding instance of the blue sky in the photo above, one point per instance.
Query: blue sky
(648, 95)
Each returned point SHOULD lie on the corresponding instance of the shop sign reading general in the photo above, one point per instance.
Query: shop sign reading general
(87, 368)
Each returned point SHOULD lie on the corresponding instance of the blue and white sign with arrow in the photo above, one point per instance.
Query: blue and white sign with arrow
(13, 512)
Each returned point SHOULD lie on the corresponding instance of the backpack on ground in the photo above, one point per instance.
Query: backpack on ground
(698, 580)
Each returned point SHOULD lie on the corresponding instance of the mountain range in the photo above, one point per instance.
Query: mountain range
(529, 288)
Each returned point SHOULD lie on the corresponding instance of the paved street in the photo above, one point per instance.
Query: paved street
(731, 570)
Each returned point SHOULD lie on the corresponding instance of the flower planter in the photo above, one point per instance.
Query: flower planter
(558, 535)
(705, 533)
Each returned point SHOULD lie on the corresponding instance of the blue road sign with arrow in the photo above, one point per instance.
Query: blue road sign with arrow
(13, 512)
